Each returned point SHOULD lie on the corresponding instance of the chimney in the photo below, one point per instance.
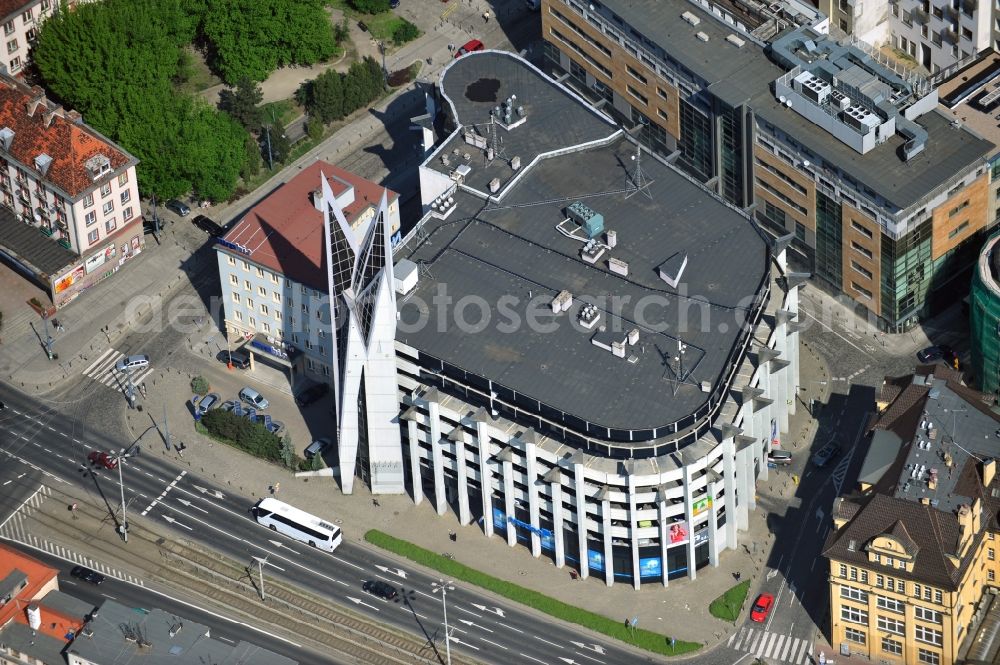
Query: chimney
(74, 117)
(317, 199)
(37, 97)
(50, 114)
(989, 471)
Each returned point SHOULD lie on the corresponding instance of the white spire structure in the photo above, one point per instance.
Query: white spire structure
(363, 311)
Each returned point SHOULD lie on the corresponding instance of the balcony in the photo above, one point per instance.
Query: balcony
(950, 14)
(949, 35)
(920, 16)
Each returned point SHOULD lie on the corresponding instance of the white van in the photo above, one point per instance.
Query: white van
(131, 363)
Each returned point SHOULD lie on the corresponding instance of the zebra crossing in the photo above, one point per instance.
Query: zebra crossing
(771, 646)
(16, 530)
(103, 371)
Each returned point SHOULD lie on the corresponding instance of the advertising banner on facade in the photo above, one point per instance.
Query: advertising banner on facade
(69, 279)
(651, 567)
(678, 533)
(100, 258)
(701, 505)
(775, 437)
(595, 560)
(701, 537)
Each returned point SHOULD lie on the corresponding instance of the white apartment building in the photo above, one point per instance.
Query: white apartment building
(62, 180)
(936, 34)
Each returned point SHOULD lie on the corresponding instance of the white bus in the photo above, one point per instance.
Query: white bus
(297, 524)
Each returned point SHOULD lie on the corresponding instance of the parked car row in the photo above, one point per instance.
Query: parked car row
(248, 396)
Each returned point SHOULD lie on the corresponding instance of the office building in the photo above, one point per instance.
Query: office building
(913, 552)
(885, 195)
(577, 370)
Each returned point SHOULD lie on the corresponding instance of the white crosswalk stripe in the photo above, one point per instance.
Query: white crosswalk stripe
(103, 371)
(770, 646)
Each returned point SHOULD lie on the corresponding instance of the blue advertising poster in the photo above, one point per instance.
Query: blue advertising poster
(650, 567)
(499, 519)
(548, 541)
(595, 560)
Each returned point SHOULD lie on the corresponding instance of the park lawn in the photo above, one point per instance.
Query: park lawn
(727, 606)
(383, 26)
(195, 74)
(639, 637)
(285, 110)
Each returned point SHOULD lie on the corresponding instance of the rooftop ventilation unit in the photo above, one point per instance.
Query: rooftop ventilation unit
(461, 172)
(736, 41)
(671, 270)
(813, 87)
(691, 18)
(618, 267)
(702, 36)
(592, 222)
(592, 251)
(860, 119)
(840, 100)
(562, 302)
(405, 275)
(589, 316)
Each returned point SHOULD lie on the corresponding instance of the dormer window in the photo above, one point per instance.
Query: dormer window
(6, 138)
(98, 165)
(42, 163)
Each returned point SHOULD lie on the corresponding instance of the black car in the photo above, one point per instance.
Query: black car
(173, 205)
(240, 358)
(312, 394)
(825, 454)
(935, 353)
(87, 575)
(209, 226)
(381, 589)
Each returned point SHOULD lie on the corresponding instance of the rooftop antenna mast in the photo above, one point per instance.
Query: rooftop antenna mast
(637, 181)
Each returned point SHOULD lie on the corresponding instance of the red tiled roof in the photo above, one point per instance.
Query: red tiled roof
(38, 575)
(69, 144)
(8, 7)
(54, 623)
(284, 232)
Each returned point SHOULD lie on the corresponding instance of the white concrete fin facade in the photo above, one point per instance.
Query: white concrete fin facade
(363, 305)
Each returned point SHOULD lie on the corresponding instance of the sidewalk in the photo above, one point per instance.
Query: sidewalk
(98, 320)
(681, 610)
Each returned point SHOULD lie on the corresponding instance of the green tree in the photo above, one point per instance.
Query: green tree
(253, 160)
(114, 62)
(370, 6)
(404, 32)
(243, 103)
(314, 128)
(199, 385)
(326, 96)
(251, 38)
(275, 140)
(287, 452)
(317, 462)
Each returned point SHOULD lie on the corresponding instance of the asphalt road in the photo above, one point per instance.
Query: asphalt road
(222, 628)
(193, 507)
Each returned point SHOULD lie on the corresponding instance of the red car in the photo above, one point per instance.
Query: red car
(762, 607)
(469, 47)
(101, 458)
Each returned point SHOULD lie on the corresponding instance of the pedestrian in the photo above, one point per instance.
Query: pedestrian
(486, 16)
(375, 502)
(738, 575)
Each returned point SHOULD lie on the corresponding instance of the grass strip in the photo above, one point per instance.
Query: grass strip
(639, 637)
(727, 606)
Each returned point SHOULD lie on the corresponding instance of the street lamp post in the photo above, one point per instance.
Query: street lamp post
(124, 454)
(444, 588)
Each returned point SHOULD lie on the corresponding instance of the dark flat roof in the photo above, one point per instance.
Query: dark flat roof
(515, 250)
(554, 118)
(745, 75)
(25, 243)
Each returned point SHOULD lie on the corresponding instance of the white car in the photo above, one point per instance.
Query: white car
(129, 363)
(254, 398)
